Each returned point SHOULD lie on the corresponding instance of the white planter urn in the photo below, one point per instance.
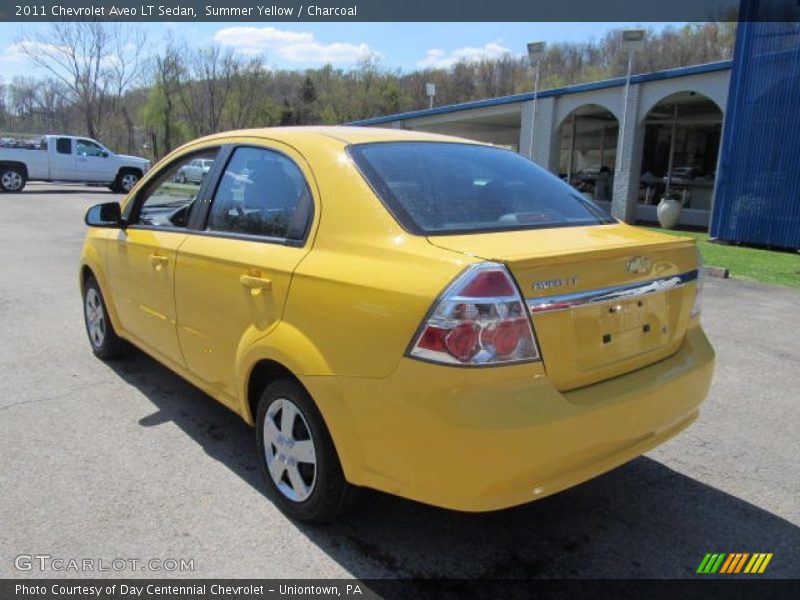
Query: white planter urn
(669, 209)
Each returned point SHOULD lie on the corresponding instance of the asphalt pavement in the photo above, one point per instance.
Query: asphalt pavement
(128, 461)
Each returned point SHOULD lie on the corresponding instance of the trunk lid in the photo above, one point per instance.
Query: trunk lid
(604, 299)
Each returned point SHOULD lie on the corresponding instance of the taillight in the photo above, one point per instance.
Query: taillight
(480, 320)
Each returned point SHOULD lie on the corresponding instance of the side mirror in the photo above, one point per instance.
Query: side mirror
(108, 214)
(104, 154)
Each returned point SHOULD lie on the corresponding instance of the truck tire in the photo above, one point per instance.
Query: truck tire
(126, 179)
(12, 179)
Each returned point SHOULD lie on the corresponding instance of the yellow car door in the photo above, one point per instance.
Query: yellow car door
(233, 275)
(141, 260)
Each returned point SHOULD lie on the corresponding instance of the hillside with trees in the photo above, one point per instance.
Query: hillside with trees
(102, 82)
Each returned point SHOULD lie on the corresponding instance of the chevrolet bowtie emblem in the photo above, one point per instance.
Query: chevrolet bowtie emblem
(638, 264)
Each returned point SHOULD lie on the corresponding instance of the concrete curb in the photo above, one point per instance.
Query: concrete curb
(720, 272)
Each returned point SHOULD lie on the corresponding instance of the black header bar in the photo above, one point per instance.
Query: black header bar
(272, 11)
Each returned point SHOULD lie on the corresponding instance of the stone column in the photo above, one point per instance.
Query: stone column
(543, 140)
(629, 160)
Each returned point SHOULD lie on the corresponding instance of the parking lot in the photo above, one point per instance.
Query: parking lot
(126, 460)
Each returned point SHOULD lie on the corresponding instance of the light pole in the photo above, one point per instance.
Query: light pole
(430, 90)
(536, 51)
(632, 40)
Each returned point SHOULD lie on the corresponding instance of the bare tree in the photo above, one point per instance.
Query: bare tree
(22, 96)
(205, 96)
(4, 116)
(97, 62)
(53, 105)
(245, 93)
(168, 69)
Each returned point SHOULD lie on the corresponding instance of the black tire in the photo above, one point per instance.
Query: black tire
(126, 179)
(114, 188)
(12, 179)
(109, 345)
(331, 494)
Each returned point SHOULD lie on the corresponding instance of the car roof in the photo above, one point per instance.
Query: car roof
(345, 134)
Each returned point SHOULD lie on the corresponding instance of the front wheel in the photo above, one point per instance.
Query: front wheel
(298, 460)
(105, 342)
(126, 181)
(12, 180)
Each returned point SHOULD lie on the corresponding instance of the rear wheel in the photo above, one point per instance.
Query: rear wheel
(12, 179)
(298, 460)
(105, 342)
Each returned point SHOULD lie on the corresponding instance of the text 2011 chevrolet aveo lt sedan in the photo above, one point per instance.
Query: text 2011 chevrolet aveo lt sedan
(427, 316)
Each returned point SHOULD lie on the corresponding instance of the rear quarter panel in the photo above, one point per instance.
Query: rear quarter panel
(37, 162)
(363, 290)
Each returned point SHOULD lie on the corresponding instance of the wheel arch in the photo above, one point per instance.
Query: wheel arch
(89, 270)
(16, 164)
(264, 372)
(128, 169)
(284, 347)
(267, 365)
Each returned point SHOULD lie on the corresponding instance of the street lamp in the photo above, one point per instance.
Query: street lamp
(430, 90)
(536, 51)
(632, 40)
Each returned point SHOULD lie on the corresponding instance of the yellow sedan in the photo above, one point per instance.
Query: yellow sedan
(423, 315)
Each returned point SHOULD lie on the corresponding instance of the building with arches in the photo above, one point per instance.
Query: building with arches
(611, 142)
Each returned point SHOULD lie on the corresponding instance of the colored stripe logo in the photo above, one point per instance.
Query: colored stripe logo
(735, 562)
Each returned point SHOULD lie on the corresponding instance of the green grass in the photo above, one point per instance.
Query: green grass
(766, 266)
(183, 190)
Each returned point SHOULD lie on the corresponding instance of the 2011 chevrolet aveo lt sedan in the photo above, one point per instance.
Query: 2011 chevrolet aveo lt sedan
(431, 317)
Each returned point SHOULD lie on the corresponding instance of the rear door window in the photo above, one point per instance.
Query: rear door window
(261, 193)
(442, 187)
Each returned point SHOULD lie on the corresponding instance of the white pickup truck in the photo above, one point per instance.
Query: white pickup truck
(66, 158)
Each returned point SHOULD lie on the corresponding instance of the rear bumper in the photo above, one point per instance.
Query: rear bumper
(485, 439)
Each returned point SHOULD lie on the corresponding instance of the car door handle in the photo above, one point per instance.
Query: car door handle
(157, 260)
(255, 283)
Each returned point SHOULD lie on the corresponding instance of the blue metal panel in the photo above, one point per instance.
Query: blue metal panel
(562, 91)
(757, 200)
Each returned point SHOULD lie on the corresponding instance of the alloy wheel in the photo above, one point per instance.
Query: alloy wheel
(95, 318)
(11, 180)
(128, 181)
(290, 451)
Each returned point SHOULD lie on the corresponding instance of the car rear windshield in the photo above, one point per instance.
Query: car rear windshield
(445, 188)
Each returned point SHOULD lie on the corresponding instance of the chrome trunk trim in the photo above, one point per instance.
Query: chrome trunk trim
(631, 290)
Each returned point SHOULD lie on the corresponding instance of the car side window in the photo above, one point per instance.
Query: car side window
(64, 145)
(88, 148)
(167, 199)
(261, 193)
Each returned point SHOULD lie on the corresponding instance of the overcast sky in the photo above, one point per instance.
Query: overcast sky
(406, 46)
